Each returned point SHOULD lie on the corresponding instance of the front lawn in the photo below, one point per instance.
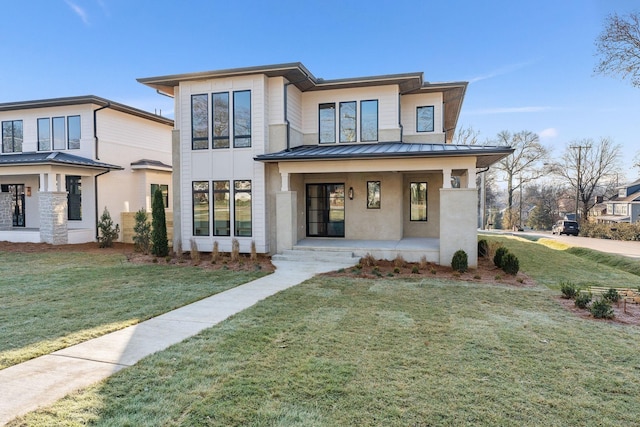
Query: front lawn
(53, 299)
(339, 351)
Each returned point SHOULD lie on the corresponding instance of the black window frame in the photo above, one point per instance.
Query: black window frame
(74, 197)
(327, 106)
(236, 126)
(216, 139)
(236, 192)
(16, 147)
(374, 201)
(418, 118)
(362, 121)
(197, 141)
(193, 207)
(62, 139)
(48, 136)
(354, 120)
(76, 145)
(426, 201)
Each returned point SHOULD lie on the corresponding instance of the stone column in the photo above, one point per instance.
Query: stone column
(53, 217)
(6, 219)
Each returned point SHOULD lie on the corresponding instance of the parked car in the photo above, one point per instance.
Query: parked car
(565, 227)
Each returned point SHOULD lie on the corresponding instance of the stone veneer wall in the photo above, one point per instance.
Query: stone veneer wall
(6, 219)
(53, 218)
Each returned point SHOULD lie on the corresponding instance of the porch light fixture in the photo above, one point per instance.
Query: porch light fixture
(350, 193)
(28, 191)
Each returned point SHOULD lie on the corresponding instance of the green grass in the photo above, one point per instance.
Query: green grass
(50, 301)
(391, 352)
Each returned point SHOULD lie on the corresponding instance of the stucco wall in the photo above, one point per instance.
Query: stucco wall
(458, 224)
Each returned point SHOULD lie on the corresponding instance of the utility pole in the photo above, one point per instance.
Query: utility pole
(579, 148)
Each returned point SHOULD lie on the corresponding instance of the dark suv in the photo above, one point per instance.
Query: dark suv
(565, 227)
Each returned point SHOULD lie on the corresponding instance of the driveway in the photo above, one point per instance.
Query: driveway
(628, 249)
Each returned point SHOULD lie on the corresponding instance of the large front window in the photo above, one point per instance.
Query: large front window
(220, 115)
(221, 211)
(199, 122)
(12, 136)
(348, 131)
(200, 195)
(327, 119)
(242, 119)
(74, 198)
(242, 207)
(418, 201)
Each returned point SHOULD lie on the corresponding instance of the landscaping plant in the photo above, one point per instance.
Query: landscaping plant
(569, 290)
(142, 232)
(601, 309)
(160, 244)
(499, 254)
(510, 264)
(107, 231)
(459, 262)
(583, 299)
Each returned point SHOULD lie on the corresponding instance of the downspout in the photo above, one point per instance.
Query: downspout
(95, 195)
(400, 117)
(95, 128)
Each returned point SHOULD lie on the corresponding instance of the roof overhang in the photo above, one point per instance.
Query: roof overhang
(146, 164)
(485, 155)
(54, 159)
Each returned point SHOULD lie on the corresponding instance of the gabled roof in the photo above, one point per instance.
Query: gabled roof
(85, 99)
(53, 158)
(485, 155)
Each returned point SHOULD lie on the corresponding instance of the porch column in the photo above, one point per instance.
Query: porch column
(53, 217)
(446, 178)
(286, 220)
(284, 177)
(458, 224)
(6, 220)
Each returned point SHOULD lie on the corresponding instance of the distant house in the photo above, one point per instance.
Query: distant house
(64, 160)
(275, 156)
(624, 207)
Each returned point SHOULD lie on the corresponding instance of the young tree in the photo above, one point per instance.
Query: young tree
(159, 242)
(142, 232)
(619, 47)
(108, 232)
(526, 164)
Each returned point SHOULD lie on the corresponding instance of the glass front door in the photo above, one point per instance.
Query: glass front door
(17, 202)
(325, 210)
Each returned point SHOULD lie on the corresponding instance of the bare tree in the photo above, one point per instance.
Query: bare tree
(525, 165)
(466, 135)
(587, 167)
(636, 161)
(619, 47)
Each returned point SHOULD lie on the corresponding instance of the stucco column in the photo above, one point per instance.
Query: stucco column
(53, 217)
(6, 219)
(446, 178)
(458, 224)
(286, 220)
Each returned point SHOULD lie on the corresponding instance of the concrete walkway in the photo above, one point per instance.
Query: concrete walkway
(42, 381)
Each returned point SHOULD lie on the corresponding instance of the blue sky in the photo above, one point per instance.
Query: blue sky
(529, 64)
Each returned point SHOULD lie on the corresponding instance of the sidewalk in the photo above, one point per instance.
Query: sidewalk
(42, 381)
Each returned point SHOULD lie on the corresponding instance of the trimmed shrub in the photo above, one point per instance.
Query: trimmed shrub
(159, 242)
(510, 264)
(611, 295)
(500, 253)
(583, 299)
(459, 262)
(107, 231)
(569, 290)
(235, 250)
(142, 232)
(483, 248)
(601, 309)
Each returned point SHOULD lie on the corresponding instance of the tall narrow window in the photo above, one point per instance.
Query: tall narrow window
(73, 132)
(220, 105)
(200, 195)
(164, 189)
(242, 208)
(74, 198)
(369, 120)
(242, 119)
(59, 141)
(221, 212)
(424, 119)
(199, 122)
(12, 136)
(327, 120)
(44, 134)
(418, 201)
(348, 120)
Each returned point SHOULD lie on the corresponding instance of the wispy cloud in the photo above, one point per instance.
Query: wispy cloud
(507, 69)
(509, 110)
(78, 11)
(548, 133)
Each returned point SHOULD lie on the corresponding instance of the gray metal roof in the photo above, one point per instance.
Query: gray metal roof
(55, 158)
(486, 155)
(150, 164)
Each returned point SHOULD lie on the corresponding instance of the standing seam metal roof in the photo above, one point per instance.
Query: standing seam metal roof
(54, 157)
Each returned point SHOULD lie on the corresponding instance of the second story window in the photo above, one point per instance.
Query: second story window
(73, 132)
(242, 119)
(63, 132)
(44, 134)
(348, 131)
(220, 105)
(58, 133)
(369, 120)
(424, 119)
(199, 122)
(12, 136)
(327, 120)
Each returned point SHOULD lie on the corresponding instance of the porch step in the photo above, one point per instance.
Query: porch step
(301, 254)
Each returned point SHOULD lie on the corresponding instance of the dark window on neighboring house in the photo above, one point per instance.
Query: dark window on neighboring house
(73, 132)
(44, 134)
(369, 120)
(164, 189)
(74, 198)
(242, 119)
(424, 119)
(200, 195)
(220, 113)
(242, 208)
(418, 201)
(348, 120)
(199, 122)
(12, 136)
(221, 209)
(327, 120)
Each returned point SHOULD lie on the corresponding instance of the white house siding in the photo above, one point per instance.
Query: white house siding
(408, 108)
(387, 97)
(225, 164)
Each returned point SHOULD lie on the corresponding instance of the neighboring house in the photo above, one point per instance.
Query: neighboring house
(625, 206)
(274, 155)
(64, 160)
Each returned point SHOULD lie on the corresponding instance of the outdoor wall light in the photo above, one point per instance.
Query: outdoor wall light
(28, 191)
(350, 193)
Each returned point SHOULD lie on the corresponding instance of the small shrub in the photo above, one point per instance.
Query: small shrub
(492, 248)
(254, 253)
(235, 250)
(456, 274)
(215, 252)
(520, 280)
(569, 290)
(432, 270)
(195, 253)
(510, 264)
(483, 248)
(368, 260)
(399, 261)
(159, 242)
(601, 309)
(583, 299)
(358, 266)
(459, 261)
(497, 277)
(396, 270)
(108, 232)
(376, 271)
(477, 276)
(389, 274)
(497, 258)
(423, 262)
(611, 295)
(167, 259)
(142, 232)
(415, 270)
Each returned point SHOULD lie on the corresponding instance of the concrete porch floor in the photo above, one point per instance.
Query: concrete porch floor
(411, 248)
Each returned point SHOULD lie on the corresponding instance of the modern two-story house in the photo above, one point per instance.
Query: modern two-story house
(276, 156)
(624, 206)
(64, 160)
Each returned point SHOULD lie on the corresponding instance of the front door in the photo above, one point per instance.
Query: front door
(325, 210)
(17, 202)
